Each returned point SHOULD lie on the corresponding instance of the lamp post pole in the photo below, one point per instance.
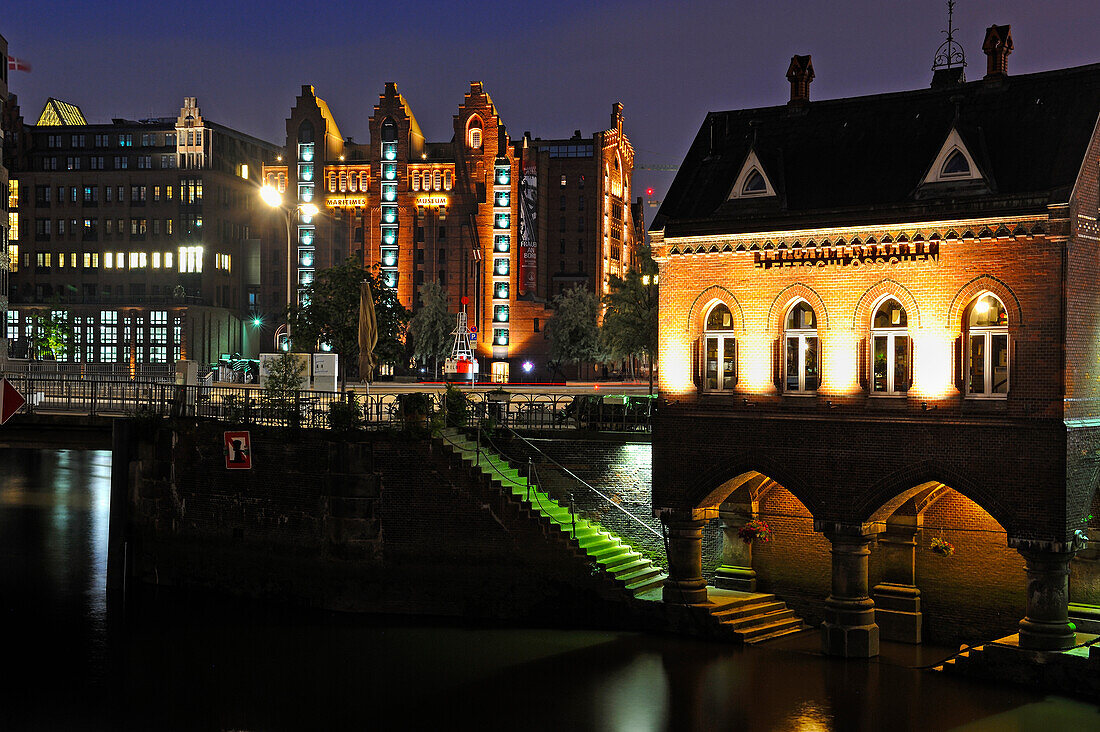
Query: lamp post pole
(273, 198)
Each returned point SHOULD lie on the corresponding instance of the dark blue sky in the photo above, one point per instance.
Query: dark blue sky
(551, 67)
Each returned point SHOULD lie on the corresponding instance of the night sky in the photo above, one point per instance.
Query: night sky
(551, 67)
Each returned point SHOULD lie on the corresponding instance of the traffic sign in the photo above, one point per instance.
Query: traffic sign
(10, 400)
(238, 451)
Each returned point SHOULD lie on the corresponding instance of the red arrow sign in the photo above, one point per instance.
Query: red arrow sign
(10, 400)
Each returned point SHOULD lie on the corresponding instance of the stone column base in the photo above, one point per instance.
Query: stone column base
(897, 612)
(685, 592)
(849, 641)
(1046, 636)
(742, 579)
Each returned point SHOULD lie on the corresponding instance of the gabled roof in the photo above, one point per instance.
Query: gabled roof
(863, 159)
(56, 112)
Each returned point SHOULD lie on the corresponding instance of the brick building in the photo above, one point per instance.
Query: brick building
(877, 331)
(5, 222)
(478, 213)
(144, 235)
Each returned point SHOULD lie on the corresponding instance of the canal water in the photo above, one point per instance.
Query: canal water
(169, 660)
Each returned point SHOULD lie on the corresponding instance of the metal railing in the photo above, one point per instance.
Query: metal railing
(105, 394)
(603, 497)
(162, 372)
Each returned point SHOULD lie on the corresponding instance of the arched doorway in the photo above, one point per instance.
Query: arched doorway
(793, 563)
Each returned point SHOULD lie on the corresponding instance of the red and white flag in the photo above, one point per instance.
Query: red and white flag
(16, 64)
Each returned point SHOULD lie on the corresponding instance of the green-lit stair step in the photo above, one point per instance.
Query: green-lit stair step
(616, 548)
(609, 563)
(624, 569)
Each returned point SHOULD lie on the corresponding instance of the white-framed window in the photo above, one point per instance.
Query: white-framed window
(987, 348)
(802, 365)
(891, 349)
(475, 138)
(719, 350)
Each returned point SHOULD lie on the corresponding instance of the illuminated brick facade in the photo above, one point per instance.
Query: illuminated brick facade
(451, 212)
(879, 303)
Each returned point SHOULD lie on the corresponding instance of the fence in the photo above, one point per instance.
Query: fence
(55, 393)
(160, 372)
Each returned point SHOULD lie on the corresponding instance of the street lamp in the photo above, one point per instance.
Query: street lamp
(273, 198)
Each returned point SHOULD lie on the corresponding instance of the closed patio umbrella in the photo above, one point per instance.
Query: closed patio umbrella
(368, 333)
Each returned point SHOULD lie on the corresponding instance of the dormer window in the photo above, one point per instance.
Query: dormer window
(752, 181)
(955, 165)
(754, 184)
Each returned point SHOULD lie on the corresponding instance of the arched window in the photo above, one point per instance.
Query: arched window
(389, 130)
(955, 165)
(803, 371)
(719, 350)
(305, 132)
(416, 180)
(475, 138)
(754, 183)
(437, 180)
(891, 349)
(447, 180)
(987, 352)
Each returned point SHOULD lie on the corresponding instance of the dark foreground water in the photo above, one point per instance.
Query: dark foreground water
(167, 661)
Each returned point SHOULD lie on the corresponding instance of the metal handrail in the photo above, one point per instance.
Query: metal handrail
(586, 484)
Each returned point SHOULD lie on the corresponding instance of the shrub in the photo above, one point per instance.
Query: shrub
(345, 416)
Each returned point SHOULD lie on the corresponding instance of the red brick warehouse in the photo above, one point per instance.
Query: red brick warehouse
(878, 331)
(506, 223)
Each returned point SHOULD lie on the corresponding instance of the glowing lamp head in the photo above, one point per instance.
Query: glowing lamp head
(527, 366)
(309, 209)
(257, 321)
(982, 306)
(271, 196)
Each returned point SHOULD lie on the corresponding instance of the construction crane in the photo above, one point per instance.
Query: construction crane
(653, 202)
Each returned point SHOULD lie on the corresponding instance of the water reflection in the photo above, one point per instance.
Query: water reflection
(183, 661)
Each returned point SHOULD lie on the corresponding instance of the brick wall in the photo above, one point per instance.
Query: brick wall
(390, 523)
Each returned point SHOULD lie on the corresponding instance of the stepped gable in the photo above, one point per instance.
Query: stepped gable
(862, 158)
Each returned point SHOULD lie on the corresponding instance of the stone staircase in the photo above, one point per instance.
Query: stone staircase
(963, 659)
(611, 555)
(753, 617)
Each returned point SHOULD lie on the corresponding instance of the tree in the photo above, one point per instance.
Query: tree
(432, 326)
(283, 381)
(630, 321)
(573, 330)
(331, 315)
(51, 336)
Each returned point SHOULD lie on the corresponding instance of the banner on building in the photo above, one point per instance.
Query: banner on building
(528, 225)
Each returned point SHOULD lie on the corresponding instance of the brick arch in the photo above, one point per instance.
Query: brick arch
(798, 290)
(984, 283)
(887, 495)
(702, 303)
(861, 317)
(716, 484)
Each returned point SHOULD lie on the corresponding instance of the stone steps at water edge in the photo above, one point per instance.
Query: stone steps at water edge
(630, 570)
(752, 617)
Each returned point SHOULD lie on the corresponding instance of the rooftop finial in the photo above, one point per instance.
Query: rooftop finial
(949, 54)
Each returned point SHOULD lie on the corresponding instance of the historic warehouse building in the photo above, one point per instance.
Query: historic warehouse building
(508, 224)
(878, 335)
(146, 236)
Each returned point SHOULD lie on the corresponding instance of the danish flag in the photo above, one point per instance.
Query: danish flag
(16, 64)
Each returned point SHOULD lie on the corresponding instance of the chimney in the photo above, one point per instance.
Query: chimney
(800, 73)
(996, 46)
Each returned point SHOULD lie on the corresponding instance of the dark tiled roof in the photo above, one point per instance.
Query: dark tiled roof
(861, 160)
